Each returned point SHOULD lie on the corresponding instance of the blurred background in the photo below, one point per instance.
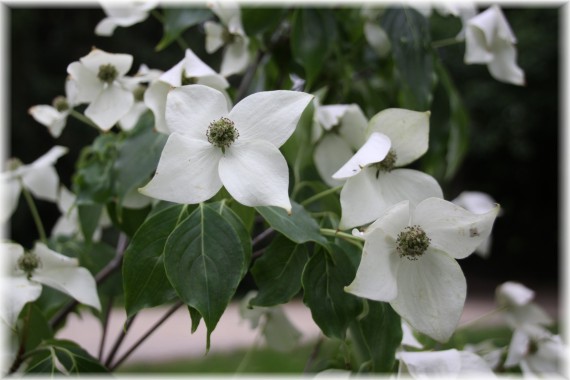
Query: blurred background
(514, 131)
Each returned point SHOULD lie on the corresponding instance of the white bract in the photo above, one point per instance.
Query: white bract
(344, 127)
(191, 70)
(489, 40)
(516, 299)
(123, 13)
(229, 33)
(376, 37)
(537, 351)
(27, 271)
(68, 223)
(54, 117)
(479, 203)
(448, 364)
(101, 81)
(396, 137)
(39, 177)
(409, 260)
(211, 146)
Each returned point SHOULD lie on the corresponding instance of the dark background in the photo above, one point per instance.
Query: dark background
(514, 145)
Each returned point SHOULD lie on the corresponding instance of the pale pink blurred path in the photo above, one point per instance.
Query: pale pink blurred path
(173, 340)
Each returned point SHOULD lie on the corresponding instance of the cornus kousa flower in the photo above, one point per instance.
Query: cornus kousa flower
(211, 146)
(123, 13)
(39, 177)
(396, 137)
(448, 364)
(490, 40)
(101, 81)
(516, 299)
(344, 127)
(54, 117)
(191, 70)
(479, 203)
(409, 260)
(27, 271)
(230, 34)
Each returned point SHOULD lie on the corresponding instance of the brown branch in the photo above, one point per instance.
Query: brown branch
(146, 335)
(119, 341)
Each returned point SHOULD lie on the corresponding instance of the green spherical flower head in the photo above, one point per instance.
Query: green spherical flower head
(60, 103)
(387, 164)
(29, 262)
(412, 242)
(222, 133)
(107, 73)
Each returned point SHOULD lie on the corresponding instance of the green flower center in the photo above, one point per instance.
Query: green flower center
(222, 133)
(387, 164)
(29, 262)
(412, 242)
(107, 73)
(60, 104)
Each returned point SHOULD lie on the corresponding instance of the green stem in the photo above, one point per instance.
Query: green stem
(83, 119)
(340, 234)
(445, 42)
(320, 195)
(247, 358)
(183, 45)
(34, 211)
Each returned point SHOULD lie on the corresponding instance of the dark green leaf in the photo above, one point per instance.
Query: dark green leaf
(312, 37)
(231, 217)
(410, 39)
(195, 317)
(278, 272)
(144, 278)
(38, 324)
(257, 20)
(127, 220)
(458, 142)
(324, 279)
(89, 215)
(93, 179)
(204, 261)
(177, 20)
(298, 227)
(74, 359)
(378, 335)
(137, 157)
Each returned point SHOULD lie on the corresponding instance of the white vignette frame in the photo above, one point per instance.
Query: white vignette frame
(564, 142)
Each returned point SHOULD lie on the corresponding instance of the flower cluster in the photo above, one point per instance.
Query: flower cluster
(194, 170)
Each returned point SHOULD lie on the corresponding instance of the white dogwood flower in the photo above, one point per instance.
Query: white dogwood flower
(396, 137)
(409, 260)
(101, 81)
(123, 13)
(228, 33)
(39, 177)
(339, 130)
(28, 270)
(54, 117)
(479, 203)
(191, 70)
(517, 299)
(447, 364)
(489, 40)
(211, 145)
